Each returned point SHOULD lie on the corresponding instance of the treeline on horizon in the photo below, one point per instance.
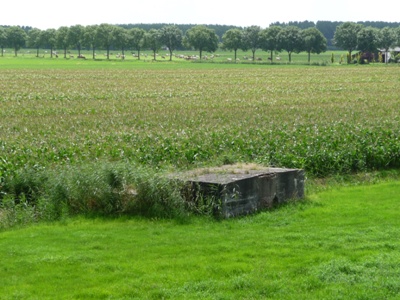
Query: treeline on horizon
(327, 28)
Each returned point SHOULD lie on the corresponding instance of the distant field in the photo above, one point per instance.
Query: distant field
(334, 119)
(163, 55)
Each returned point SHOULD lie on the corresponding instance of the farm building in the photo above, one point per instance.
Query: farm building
(390, 55)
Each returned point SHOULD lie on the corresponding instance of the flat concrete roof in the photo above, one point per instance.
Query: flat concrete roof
(229, 173)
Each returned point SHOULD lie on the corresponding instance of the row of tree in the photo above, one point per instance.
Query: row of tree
(276, 38)
(107, 37)
(349, 36)
(201, 38)
(366, 39)
(328, 28)
(218, 29)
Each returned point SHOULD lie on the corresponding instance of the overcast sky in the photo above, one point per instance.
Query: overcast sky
(50, 14)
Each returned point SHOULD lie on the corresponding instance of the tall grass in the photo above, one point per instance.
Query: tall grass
(92, 190)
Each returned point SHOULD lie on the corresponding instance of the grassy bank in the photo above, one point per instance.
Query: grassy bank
(338, 244)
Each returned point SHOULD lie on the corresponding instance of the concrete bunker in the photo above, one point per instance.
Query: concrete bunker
(243, 189)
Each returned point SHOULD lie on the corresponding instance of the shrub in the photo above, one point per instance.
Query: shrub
(158, 196)
(202, 201)
(94, 189)
(14, 213)
(26, 185)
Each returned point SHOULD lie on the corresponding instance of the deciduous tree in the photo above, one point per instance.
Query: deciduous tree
(105, 36)
(75, 36)
(34, 39)
(202, 39)
(137, 39)
(398, 35)
(314, 41)
(16, 38)
(153, 41)
(90, 38)
(367, 39)
(171, 37)
(62, 39)
(49, 39)
(345, 37)
(387, 38)
(291, 40)
(233, 40)
(3, 39)
(269, 39)
(251, 39)
(121, 39)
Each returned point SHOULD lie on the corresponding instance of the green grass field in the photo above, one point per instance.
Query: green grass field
(163, 55)
(339, 244)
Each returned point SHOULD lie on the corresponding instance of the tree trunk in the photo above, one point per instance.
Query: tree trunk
(271, 57)
(65, 52)
(170, 54)
(94, 53)
(37, 52)
(254, 54)
(309, 56)
(138, 53)
(290, 56)
(235, 54)
(154, 55)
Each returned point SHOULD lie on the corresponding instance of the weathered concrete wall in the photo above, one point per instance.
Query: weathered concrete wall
(249, 191)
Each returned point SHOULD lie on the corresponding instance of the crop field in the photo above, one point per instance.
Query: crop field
(325, 119)
(74, 132)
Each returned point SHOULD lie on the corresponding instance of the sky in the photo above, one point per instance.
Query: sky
(49, 14)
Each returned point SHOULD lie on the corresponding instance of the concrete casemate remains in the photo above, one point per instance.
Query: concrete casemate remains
(245, 188)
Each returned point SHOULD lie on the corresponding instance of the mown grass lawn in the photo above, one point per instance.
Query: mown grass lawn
(341, 243)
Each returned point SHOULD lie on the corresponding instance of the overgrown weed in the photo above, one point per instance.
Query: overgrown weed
(98, 189)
